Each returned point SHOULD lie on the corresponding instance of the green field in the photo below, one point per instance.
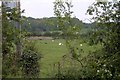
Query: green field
(52, 53)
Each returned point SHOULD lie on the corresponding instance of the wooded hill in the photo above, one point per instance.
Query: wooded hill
(45, 26)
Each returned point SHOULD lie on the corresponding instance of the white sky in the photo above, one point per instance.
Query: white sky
(44, 8)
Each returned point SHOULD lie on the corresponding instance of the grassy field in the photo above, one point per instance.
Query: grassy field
(52, 53)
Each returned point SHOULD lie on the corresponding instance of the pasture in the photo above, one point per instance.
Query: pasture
(52, 53)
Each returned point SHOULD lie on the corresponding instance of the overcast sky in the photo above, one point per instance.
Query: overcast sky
(44, 8)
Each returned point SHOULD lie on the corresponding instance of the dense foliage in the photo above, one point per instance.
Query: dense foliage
(29, 61)
(108, 34)
(14, 47)
(9, 41)
(103, 63)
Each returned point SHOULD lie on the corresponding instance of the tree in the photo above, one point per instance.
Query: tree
(10, 36)
(108, 34)
(71, 31)
(103, 63)
(13, 63)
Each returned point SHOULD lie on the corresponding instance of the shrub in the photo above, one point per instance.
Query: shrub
(29, 62)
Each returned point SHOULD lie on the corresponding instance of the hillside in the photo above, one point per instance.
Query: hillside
(41, 26)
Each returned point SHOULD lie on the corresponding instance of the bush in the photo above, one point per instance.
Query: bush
(29, 62)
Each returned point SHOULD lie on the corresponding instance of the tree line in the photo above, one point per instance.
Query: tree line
(49, 27)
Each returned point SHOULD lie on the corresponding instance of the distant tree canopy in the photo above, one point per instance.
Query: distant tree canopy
(45, 26)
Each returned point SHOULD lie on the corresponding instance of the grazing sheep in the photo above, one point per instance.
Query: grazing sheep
(60, 44)
(53, 40)
(81, 45)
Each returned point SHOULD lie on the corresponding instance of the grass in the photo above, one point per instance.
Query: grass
(52, 53)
